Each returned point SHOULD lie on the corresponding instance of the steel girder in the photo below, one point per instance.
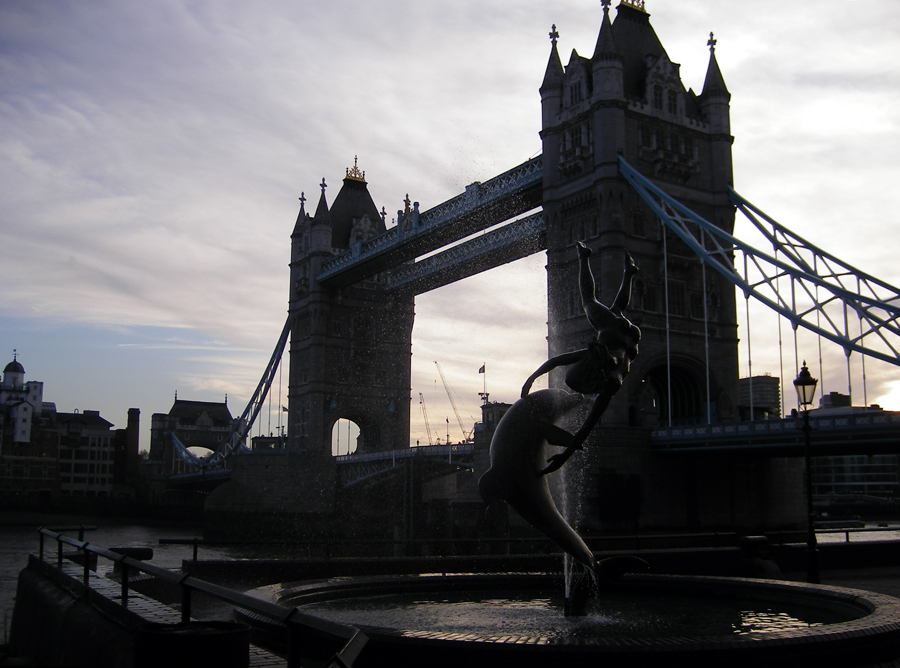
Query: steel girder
(820, 292)
(481, 206)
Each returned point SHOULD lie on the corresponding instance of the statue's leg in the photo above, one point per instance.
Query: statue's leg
(599, 315)
(623, 297)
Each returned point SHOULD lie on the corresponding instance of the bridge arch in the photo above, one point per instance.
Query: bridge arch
(688, 393)
(346, 436)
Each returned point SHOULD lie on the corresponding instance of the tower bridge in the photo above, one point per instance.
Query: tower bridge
(631, 159)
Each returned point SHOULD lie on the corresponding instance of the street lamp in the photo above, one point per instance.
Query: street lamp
(805, 385)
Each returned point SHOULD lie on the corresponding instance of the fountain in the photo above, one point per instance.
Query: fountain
(609, 612)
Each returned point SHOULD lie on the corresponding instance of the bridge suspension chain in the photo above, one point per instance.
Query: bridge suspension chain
(811, 272)
(235, 439)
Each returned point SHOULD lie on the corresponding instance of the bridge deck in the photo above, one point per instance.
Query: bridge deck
(849, 434)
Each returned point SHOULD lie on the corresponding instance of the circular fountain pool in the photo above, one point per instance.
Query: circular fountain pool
(642, 620)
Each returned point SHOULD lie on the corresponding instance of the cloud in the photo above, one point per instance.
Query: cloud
(153, 154)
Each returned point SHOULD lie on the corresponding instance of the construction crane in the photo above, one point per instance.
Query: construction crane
(425, 416)
(467, 435)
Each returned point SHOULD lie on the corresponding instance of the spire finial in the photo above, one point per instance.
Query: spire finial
(383, 215)
(407, 202)
(323, 185)
(711, 43)
(15, 355)
(553, 34)
(302, 198)
(605, 5)
(354, 174)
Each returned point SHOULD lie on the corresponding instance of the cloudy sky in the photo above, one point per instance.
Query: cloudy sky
(152, 155)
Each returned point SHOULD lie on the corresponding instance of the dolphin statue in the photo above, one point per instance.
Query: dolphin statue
(517, 459)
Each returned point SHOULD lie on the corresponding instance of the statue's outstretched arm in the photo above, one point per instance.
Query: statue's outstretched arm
(560, 360)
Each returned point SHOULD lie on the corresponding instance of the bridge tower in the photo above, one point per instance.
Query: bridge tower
(628, 100)
(350, 347)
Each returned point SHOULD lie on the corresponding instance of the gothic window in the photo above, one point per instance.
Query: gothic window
(697, 305)
(646, 138)
(676, 298)
(713, 306)
(638, 224)
(576, 136)
(648, 303)
(637, 296)
(672, 102)
(575, 92)
(687, 147)
(595, 229)
(670, 142)
(657, 139)
(658, 97)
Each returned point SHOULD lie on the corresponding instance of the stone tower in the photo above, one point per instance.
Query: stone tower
(628, 99)
(350, 347)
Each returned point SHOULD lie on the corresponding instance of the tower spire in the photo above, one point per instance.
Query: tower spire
(714, 85)
(606, 48)
(553, 75)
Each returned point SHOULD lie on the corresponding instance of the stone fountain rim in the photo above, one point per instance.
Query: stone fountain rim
(879, 613)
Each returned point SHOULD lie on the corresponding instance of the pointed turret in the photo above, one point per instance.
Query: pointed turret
(320, 229)
(606, 48)
(715, 98)
(714, 85)
(552, 85)
(554, 74)
(301, 217)
(608, 62)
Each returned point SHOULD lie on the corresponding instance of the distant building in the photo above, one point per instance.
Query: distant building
(760, 398)
(28, 462)
(852, 479)
(20, 402)
(203, 424)
(45, 452)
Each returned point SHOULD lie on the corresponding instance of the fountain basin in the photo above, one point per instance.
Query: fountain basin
(643, 620)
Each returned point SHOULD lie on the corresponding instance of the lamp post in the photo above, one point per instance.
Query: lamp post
(805, 385)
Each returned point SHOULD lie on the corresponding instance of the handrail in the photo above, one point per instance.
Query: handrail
(347, 640)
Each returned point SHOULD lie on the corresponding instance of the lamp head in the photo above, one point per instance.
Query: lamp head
(805, 385)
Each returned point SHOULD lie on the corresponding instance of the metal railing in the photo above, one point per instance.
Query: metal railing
(338, 644)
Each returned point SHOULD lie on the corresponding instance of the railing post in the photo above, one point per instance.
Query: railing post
(124, 584)
(81, 533)
(195, 549)
(41, 545)
(87, 563)
(185, 603)
(58, 553)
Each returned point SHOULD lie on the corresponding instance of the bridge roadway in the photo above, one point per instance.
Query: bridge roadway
(868, 433)
(353, 468)
(864, 433)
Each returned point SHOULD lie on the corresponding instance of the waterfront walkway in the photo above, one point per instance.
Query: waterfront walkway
(141, 608)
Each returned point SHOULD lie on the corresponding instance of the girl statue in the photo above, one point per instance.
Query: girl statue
(601, 367)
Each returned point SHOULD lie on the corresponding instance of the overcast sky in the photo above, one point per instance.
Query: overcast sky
(152, 155)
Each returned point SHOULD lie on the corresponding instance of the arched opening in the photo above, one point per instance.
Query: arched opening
(344, 437)
(688, 395)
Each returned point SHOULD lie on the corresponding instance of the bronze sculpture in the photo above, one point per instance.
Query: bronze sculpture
(517, 447)
(601, 367)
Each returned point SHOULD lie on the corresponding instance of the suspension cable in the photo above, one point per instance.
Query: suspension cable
(706, 331)
(780, 350)
(668, 328)
(749, 347)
